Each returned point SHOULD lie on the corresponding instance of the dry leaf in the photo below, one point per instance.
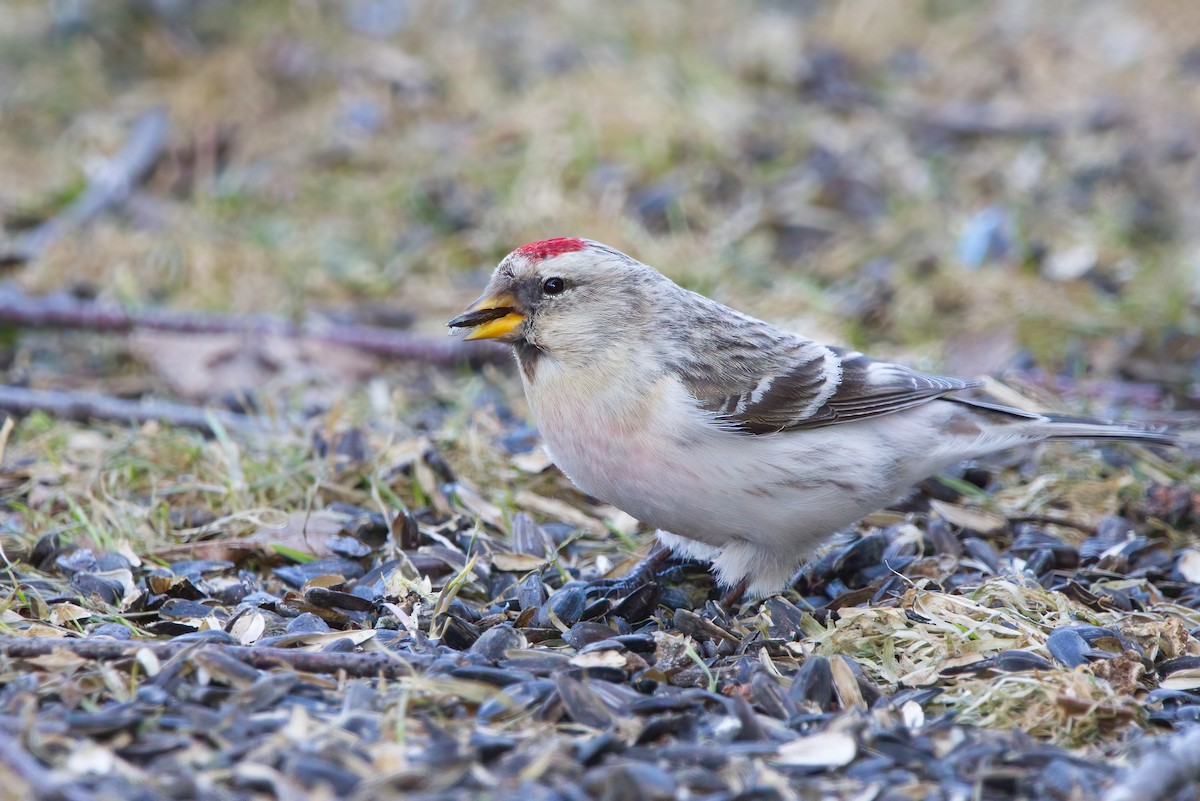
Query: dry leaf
(969, 517)
(149, 661)
(64, 613)
(306, 532)
(318, 640)
(428, 481)
(1183, 680)
(913, 715)
(517, 562)
(221, 364)
(324, 581)
(619, 521)
(830, 749)
(474, 503)
(1189, 565)
(88, 758)
(609, 658)
(58, 661)
(535, 461)
(248, 628)
(532, 502)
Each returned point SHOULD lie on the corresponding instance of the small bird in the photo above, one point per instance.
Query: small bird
(743, 444)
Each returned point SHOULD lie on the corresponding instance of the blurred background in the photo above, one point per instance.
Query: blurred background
(1004, 187)
(971, 186)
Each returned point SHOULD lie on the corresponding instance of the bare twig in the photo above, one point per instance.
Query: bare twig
(973, 122)
(111, 187)
(1170, 762)
(372, 663)
(84, 406)
(58, 311)
(1051, 520)
(393, 344)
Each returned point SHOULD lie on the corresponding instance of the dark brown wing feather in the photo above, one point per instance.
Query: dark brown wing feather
(761, 379)
(870, 388)
(788, 385)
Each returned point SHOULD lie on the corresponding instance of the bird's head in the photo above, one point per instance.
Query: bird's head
(567, 297)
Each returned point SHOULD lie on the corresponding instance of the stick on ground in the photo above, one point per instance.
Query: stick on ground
(59, 310)
(84, 406)
(372, 663)
(111, 187)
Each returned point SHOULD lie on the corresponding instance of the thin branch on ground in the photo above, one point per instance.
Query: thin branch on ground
(368, 664)
(84, 406)
(1053, 520)
(59, 311)
(111, 187)
(966, 121)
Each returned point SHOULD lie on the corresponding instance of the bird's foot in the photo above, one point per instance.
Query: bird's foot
(733, 596)
(644, 572)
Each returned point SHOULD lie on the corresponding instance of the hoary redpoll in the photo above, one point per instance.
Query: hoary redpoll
(742, 443)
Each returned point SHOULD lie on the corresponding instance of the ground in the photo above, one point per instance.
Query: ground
(1003, 189)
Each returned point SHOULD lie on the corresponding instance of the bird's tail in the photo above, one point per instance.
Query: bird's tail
(1061, 426)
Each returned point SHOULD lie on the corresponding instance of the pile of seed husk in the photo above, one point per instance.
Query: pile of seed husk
(971, 643)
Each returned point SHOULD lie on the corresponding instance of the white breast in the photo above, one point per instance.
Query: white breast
(643, 444)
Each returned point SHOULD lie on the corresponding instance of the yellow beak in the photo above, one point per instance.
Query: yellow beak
(489, 317)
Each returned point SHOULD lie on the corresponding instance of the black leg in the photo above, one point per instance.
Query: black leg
(646, 570)
(734, 595)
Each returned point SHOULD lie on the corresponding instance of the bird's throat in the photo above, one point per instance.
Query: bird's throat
(529, 356)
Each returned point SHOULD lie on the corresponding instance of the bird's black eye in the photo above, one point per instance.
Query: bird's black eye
(552, 286)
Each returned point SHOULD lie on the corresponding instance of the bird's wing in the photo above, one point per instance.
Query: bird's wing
(795, 383)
